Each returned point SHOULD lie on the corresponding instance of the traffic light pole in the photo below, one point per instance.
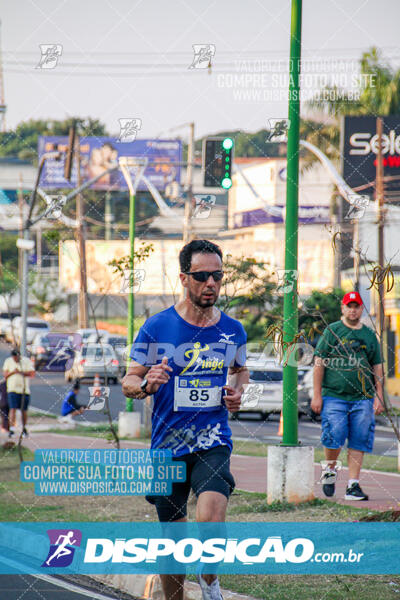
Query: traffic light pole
(83, 322)
(290, 300)
(131, 297)
(187, 223)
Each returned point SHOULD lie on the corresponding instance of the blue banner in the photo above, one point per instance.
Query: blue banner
(236, 548)
(100, 153)
(98, 472)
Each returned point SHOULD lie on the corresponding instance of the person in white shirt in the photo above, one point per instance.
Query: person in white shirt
(17, 372)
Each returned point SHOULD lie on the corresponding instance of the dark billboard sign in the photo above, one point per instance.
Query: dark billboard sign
(360, 149)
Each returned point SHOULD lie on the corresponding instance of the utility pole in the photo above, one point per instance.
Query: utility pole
(108, 217)
(39, 248)
(3, 106)
(21, 232)
(81, 238)
(187, 223)
(337, 222)
(380, 309)
(187, 219)
(356, 259)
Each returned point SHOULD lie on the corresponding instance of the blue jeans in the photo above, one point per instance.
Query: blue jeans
(351, 419)
(15, 400)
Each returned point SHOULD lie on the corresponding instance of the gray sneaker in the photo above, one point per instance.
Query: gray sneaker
(210, 592)
(328, 480)
(355, 493)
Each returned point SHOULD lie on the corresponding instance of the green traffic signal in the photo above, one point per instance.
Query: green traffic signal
(226, 183)
(227, 144)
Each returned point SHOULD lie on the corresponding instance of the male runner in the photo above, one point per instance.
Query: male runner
(348, 375)
(181, 356)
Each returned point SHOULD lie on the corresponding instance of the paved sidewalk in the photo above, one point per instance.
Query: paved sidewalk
(250, 472)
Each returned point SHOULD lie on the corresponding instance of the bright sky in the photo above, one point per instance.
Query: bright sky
(130, 59)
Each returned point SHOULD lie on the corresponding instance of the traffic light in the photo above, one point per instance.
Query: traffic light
(217, 162)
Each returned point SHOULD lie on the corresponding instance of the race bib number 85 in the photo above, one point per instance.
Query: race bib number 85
(201, 393)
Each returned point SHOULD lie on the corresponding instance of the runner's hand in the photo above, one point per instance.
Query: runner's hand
(157, 375)
(316, 404)
(232, 398)
(378, 406)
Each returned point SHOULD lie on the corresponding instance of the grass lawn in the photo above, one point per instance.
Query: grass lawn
(123, 321)
(371, 461)
(95, 431)
(314, 587)
(19, 503)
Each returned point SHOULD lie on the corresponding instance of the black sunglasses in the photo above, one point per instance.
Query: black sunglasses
(204, 275)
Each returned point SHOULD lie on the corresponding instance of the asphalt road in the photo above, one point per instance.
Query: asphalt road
(49, 389)
(16, 587)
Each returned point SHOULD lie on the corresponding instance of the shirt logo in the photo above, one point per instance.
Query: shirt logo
(195, 351)
(225, 338)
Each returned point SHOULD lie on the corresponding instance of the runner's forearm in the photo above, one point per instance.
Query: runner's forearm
(131, 387)
(238, 379)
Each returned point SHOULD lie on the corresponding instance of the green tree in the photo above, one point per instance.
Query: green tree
(9, 251)
(378, 86)
(23, 140)
(318, 310)
(48, 294)
(249, 292)
(378, 94)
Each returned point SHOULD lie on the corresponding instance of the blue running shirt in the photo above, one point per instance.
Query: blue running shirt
(189, 413)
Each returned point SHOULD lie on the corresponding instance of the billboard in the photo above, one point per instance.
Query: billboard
(360, 149)
(158, 275)
(100, 153)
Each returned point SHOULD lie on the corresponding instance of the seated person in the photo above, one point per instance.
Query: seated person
(70, 407)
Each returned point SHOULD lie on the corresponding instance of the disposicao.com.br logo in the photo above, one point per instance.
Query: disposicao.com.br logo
(213, 550)
(234, 548)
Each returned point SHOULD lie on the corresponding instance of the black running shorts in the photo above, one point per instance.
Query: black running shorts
(206, 471)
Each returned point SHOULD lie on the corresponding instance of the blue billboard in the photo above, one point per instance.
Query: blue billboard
(100, 153)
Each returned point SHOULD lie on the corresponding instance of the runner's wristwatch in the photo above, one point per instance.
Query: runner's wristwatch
(143, 386)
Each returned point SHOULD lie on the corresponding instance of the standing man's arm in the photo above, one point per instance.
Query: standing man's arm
(8, 374)
(31, 372)
(319, 369)
(379, 405)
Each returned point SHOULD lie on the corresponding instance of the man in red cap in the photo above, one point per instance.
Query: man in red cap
(348, 393)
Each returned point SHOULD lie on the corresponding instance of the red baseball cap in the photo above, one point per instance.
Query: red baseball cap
(352, 297)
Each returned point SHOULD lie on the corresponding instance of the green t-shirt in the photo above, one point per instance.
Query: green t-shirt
(349, 356)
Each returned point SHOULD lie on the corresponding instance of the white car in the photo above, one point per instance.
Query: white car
(94, 359)
(265, 397)
(5, 321)
(99, 336)
(33, 327)
(87, 333)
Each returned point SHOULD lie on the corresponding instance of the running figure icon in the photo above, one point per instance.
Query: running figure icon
(62, 549)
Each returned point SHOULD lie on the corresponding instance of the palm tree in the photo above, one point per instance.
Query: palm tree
(379, 94)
